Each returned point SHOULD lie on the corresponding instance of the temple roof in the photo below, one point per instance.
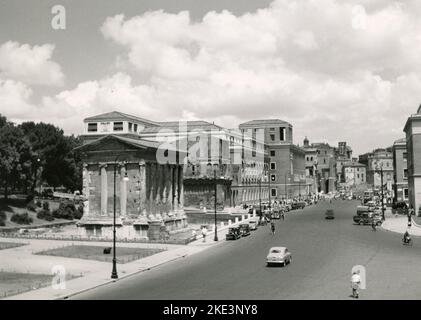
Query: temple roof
(116, 115)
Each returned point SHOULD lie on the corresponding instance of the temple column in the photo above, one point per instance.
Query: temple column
(142, 188)
(85, 191)
(181, 188)
(123, 192)
(104, 189)
(175, 188)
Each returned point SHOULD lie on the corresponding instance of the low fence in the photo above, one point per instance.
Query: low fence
(97, 239)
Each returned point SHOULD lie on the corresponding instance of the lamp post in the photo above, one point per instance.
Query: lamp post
(114, 274)
(381, 181)
(216, 189)
(270, 191)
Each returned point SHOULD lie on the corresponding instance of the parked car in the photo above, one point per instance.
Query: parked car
(329, 214)
(253, 224)
(278, 255)
(366, 218)
(276, 214)
(245, 229)
(234, 233)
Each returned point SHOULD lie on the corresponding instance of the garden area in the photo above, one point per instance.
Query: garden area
(30, 211)
(124, 254)
(12, 283)
(9, 245)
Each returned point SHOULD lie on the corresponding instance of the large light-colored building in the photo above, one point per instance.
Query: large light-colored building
(354, 174)
(377, 161)
(400, 174)
(413, 144)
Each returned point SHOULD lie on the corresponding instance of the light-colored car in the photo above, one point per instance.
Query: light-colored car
(253, 224)
(278, 255)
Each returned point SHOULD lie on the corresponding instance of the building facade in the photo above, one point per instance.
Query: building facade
(286, 172)
(354, 175)
(377, 161)
(400, 171)
(413, 144)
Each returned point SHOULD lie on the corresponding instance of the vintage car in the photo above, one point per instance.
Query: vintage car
(253, 224)
(329, 214)
(278, 256)
(298, 205)
(276, 214)
(234, 233)
(245, 229)
(366, 218)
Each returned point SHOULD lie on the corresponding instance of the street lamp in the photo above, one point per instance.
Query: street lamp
(286, 190)
(114, 274)
(215, 238)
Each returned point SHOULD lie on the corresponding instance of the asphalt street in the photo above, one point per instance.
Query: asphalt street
(323, 251)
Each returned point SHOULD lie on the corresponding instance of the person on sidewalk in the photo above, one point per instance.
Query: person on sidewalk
(204, 233)
(355, 283)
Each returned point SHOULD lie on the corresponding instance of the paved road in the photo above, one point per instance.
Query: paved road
(324, 251)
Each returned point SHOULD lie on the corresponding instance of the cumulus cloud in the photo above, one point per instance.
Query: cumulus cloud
(337, 70)
(29, 64)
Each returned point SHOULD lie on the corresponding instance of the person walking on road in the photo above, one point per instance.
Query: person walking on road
(272, 227)
(355, 284)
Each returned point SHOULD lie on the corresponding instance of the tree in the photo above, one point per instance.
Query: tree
(58, 164)
(12, 146)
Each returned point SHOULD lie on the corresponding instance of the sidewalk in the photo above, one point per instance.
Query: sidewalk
(94, 273)
(399, 224)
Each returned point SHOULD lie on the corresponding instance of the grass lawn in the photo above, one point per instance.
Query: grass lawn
(124, 255)
(14, 283)
(8, 245)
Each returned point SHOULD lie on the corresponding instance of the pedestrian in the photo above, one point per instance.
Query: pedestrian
(355, 283)
(204, 233)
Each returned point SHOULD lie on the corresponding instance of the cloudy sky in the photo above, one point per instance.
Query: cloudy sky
(337, 70)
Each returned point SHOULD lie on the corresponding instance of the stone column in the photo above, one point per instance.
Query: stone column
(170, 197)
(85, 191)
(123, 192)
(104, 189)
(175, 187)
(142, 188)
(181, 188)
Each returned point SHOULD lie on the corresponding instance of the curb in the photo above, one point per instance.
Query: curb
(64, 297)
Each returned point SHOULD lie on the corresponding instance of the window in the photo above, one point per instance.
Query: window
(324, 161)
(272, 129)
(135, 127)
(362, 177)
(273, 192)
(272, 177)
(358, 176)
(272, 137)
(92, 127)
(405, 173)
(272, 153)
(272, 166)
(405, 194)
(118, 126)
(405, 156)
(130, 126)
(282, 134)
(311, 159)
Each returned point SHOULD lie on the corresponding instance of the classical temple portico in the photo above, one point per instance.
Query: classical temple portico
(149, 195)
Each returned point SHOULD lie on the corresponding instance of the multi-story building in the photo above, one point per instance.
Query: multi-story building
(287, 161)
(413, 144)
(311, 166)
(233, 161)
(343, 156)
(400, 171)
(377, 161)
(325, 165)
(354, 174)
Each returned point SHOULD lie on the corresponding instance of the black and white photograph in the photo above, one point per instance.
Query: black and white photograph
(197, 150)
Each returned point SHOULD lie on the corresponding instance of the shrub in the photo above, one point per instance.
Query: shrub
(3, 216)
(31, 206)
(46, 206)
(66, 210)
(45, 215)
(30, 197)
(79, 212)
(2, 223)
(39, 204)
(23, 218)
